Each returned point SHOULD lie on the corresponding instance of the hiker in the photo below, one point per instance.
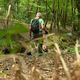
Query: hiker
(37, 29)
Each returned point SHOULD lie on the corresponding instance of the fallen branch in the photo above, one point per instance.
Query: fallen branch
(76, 64)
(42, 37)
(63, 62)
(76, 50)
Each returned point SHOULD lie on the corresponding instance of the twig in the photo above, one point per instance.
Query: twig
(63, 62)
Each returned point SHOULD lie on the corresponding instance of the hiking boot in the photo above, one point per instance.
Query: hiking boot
(44, 48)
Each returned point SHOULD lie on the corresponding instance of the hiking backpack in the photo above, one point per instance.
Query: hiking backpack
(35, 26)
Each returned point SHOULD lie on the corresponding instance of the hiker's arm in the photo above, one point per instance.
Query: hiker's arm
(44, 29)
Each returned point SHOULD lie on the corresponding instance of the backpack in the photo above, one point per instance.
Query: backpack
(35, 26)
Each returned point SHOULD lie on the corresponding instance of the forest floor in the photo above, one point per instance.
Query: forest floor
(21, 66)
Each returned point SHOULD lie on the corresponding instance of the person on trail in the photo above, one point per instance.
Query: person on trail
(37, 25)
(37, 29)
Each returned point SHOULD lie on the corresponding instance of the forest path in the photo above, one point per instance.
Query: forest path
(24, 68)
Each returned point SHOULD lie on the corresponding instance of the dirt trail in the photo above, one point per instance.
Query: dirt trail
(48, 65)
(24, 68)
(13, 66)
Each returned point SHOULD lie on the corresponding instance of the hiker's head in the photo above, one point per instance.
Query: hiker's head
(39, 15)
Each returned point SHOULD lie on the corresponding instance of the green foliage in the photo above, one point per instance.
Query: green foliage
(6, 37)
(17, 28)
(2, 33)
(66, 41)
(25, 9)
(60, 14)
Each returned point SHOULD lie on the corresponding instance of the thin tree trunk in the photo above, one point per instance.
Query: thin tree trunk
(28, 9)
(73, 15)
(37, 9)
(8, 15)
(78, 7)
(52, 18)
(66, 13)
(46, 14)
